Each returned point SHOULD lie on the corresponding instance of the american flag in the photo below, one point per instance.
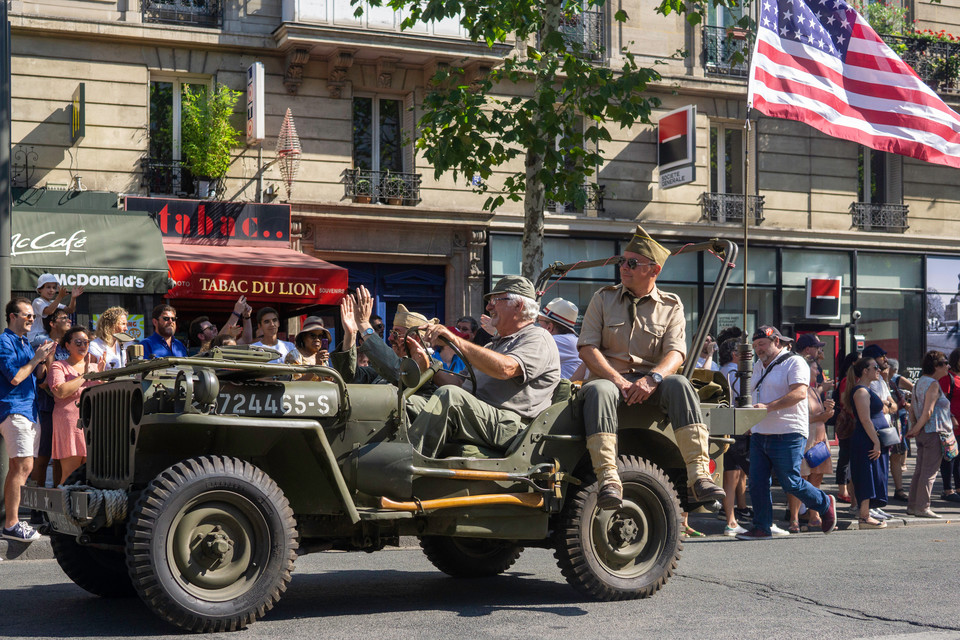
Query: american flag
(819, 62)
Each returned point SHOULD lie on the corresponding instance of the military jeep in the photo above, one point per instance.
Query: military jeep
(207, 476)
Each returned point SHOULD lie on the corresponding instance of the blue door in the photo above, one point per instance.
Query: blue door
(419, 288)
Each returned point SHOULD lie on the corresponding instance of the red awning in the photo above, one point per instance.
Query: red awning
(263, 274)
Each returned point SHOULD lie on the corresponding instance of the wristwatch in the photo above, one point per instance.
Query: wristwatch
(368, 332)
(657, 378)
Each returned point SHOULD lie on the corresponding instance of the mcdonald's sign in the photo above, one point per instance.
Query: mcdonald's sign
(78, 114)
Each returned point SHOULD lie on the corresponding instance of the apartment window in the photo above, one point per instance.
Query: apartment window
(163, 173)
(880, 177)
(726, 158)
(377, 134)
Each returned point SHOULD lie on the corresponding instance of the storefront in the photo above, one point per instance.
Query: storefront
(219, 251)
(86, 241)
(890, 290)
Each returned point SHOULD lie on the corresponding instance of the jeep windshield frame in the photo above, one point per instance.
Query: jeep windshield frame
(725, 250)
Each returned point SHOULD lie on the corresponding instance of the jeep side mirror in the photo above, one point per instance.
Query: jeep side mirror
(409, 373)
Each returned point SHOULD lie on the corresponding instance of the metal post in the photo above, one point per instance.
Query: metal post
(6, 201)
(260, 173)
(745, 348)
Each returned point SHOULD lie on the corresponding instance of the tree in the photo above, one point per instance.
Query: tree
(468, 130)
(208, 137)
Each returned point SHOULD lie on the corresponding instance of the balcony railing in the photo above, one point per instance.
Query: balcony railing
(868, 216)
(726, 51)
(586, 30)
(167, 177)
(728, 207)
(593, 202)
(200, 13)
(937, 63)
(384, 187)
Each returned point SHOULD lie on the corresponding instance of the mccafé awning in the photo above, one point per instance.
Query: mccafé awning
(115, 252)
(262, 274)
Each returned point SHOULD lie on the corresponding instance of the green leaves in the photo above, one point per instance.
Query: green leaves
(206, 133)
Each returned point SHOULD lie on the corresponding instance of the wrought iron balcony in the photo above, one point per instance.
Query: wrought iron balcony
(592, 203)
(937, 63)
(868, 216)
(200, 13)
(167, 177)
(586, 30)
(384, 187)
(726, 51)
(728, 207)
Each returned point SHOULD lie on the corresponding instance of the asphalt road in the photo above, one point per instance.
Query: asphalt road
(857, 584)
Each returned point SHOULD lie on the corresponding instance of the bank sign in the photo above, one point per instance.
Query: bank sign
(676, 146)
(114, 252)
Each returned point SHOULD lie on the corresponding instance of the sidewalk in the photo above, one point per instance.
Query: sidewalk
(708, 523)
(705, 522)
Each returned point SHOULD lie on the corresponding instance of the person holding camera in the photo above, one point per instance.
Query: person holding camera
(312, 347)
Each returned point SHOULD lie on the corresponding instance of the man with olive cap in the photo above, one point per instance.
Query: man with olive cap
(517, 373)
(633, 340)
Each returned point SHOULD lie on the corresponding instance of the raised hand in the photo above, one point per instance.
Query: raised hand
(364, 306)
(75, 293)
(240, 305)
(348, 314)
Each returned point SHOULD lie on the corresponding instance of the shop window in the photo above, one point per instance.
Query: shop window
(800, 265)
(505, 256)
(683, 267)
(762, 264)
(163, 169)
(794, 308)
(888, 271)
(760, 309)
(889, 318)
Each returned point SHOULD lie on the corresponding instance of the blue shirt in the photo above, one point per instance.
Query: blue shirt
(21, 399)
(155, 346)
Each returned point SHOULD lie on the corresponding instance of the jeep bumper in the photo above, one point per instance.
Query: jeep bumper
(53, 502)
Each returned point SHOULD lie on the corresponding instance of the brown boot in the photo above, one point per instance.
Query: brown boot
(603, 455)
(694, 447)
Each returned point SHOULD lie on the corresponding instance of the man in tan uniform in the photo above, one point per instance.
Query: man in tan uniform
(633, 341)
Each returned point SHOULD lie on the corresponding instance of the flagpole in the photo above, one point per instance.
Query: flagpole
(745, 363)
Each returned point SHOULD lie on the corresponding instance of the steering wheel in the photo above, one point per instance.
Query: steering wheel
(456, 350)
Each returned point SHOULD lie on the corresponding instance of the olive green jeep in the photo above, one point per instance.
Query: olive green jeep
(207, 476)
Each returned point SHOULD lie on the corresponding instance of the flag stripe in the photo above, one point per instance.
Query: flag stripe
(822, 64)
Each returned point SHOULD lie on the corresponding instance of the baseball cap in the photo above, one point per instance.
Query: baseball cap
(513, 284)
(768, 332)
(808, 340)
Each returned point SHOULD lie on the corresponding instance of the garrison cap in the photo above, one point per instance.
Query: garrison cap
(513, 284)
(643, 244)
(409, 319)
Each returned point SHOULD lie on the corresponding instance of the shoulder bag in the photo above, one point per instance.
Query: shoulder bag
(817, 454)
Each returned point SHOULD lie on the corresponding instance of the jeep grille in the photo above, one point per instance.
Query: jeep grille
(105, 417)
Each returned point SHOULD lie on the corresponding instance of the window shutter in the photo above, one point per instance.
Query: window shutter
(409, 121)
(894, 178)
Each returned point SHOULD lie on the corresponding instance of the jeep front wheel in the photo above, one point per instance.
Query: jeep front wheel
(211, 544)
(470, 557)
(625, 553)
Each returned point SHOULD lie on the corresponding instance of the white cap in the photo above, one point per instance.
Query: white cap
(47, 278)
(563, 312)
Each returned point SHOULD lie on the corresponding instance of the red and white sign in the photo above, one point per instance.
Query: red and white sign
(823, 298)
(278, 276)
(676, 145)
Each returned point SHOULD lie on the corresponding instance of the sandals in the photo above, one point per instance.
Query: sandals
(794, 527)
(690, 532)
(815, 524)
(870, 523)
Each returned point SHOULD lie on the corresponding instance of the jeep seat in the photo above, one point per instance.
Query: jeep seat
(563, 393)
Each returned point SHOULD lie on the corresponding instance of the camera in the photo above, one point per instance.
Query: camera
(856, 315)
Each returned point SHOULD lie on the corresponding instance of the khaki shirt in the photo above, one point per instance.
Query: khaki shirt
(660, 327)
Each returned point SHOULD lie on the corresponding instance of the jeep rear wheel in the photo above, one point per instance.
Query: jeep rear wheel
(625, 553)
(211, 544)
(470, 557)
(100, 571)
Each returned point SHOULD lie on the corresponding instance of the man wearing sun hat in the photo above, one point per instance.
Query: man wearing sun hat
(517, 373)
(559, 318)
(633, 340)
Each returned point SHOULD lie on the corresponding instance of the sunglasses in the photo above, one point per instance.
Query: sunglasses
(28, 316)
(168, 318)
(316, 336)
(496, 300)
(81, 343)
(942, 363)
(633, 263)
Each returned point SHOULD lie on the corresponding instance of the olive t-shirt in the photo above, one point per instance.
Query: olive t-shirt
(530, 392)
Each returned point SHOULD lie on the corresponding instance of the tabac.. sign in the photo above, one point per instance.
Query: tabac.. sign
(217, 222)
(823, 298)
(676, 146)
(78, 115)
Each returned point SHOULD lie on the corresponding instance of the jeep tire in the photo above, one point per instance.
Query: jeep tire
(100, 571)
(624, 553)
(470, 557)
(211, 544)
